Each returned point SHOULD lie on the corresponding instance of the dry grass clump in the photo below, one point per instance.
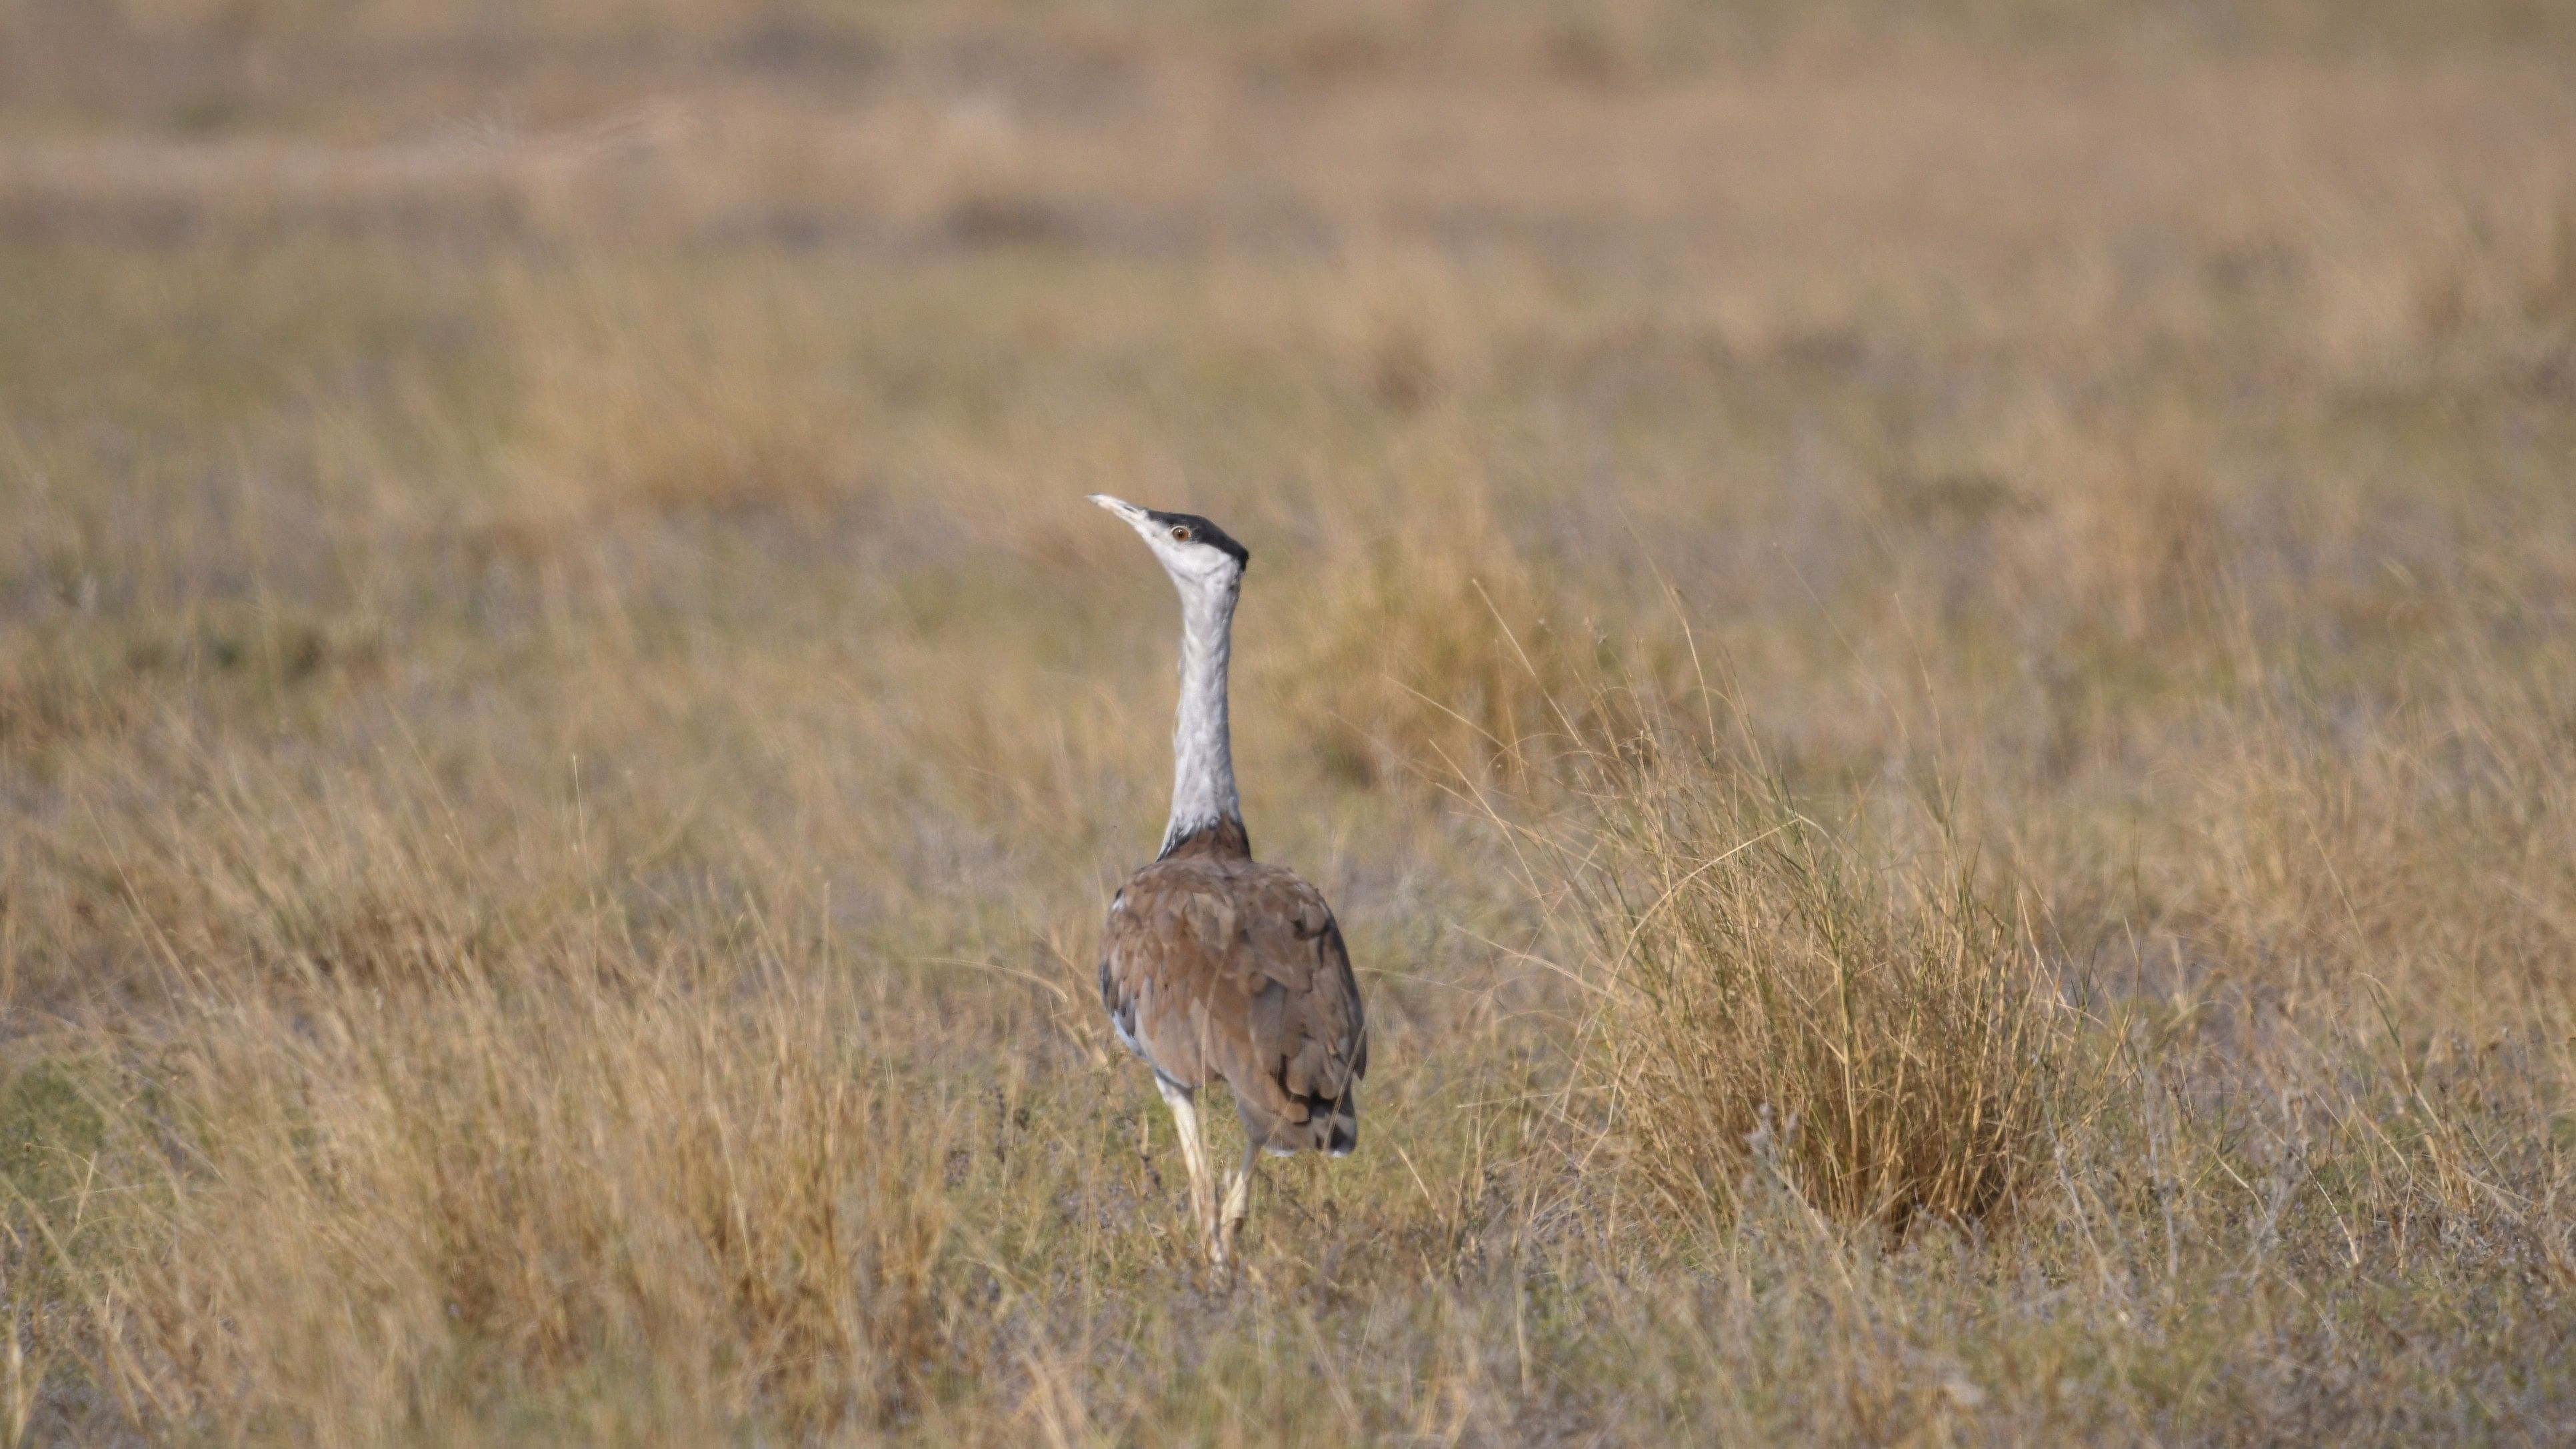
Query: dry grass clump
(394, 1211)
(1439, 645)
(1777, 998)
(626, 404)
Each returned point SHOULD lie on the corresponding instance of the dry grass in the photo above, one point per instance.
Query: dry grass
(564, 729)
(359, 1229)
(1779, 1002)
(1436, 648)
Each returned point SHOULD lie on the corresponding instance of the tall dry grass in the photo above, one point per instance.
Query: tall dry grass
(412, 1202)
(1777, 999)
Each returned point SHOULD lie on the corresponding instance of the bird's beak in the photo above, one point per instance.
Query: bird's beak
(1134, 515)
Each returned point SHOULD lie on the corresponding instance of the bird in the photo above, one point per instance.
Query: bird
(1214, 966)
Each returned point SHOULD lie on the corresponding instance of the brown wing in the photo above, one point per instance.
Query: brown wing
(1224, 968)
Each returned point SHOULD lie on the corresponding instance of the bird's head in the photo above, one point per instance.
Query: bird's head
(1200, 557)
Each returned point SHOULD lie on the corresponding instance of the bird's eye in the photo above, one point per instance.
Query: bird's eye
(1181, 532)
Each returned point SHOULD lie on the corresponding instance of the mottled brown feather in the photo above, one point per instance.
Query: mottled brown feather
(1214, 966)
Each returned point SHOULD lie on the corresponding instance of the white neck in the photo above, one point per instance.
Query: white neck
(1202, 752)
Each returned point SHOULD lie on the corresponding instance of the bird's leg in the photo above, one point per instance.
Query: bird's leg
(1238, 1200)
(1185, 1117)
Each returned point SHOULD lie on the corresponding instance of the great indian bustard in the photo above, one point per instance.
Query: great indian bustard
(1213, 966)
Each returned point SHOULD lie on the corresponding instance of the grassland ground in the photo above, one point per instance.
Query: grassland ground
(1931, 658)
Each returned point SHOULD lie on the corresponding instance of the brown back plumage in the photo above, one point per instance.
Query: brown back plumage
(1216, 966)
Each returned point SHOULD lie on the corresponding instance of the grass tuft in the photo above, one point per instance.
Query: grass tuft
(1782, 1001)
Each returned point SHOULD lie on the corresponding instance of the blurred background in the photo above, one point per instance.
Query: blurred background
(566, 517)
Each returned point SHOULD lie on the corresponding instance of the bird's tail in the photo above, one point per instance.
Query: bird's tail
(1342, 1124)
